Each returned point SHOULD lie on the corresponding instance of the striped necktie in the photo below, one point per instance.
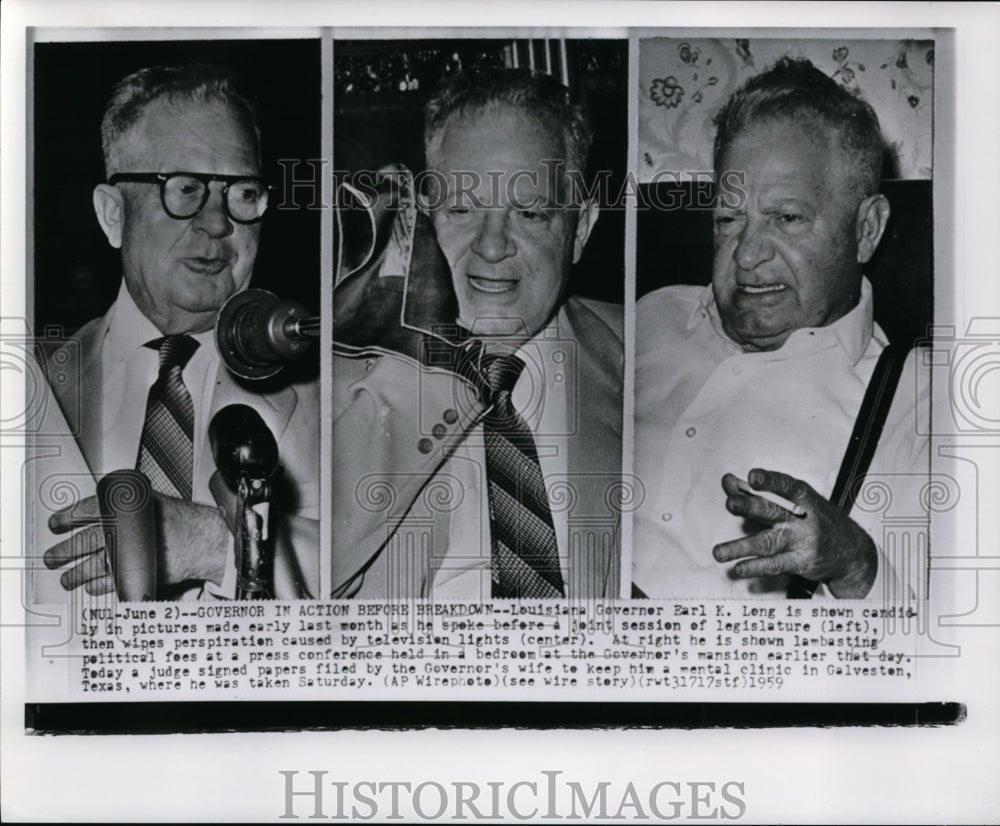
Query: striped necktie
(166, 448)
(525, 556)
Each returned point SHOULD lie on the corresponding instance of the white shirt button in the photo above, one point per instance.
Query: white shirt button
(690, 432)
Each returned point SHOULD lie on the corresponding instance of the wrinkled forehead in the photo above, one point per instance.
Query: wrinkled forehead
(821, 137)
(208, 133)
(799, 152)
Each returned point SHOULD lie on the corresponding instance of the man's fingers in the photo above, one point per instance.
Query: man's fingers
(93, 567)
(784, 563)
(83, 512)
(795, 490)
(731, 484)
(765, 543)
(88, 541)
(757, 508)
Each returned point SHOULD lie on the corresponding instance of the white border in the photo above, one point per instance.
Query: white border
(865, 775)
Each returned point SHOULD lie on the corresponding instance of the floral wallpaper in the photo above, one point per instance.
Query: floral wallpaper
(683, 83)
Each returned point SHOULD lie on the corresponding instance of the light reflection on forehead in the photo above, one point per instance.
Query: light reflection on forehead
(547, 188)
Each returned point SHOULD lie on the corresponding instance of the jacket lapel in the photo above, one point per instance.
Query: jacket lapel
(594, 453)
(73, 371)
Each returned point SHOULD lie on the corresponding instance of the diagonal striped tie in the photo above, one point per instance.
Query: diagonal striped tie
(525, 556)
(166, 448)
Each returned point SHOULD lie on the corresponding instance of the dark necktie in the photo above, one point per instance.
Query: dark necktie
(525, 557)
(166, 447)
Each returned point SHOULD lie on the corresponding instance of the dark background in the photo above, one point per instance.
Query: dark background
(77, 272)
(381, 86)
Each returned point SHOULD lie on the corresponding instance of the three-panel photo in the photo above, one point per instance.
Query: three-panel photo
(439, 412)
(478, 318)
(545, 326)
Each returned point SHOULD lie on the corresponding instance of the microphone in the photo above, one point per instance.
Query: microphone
(257, 332)
(246, 456)
(242, 445)
(125, 500)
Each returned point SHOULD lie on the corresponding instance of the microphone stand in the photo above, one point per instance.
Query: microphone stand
(254, 552)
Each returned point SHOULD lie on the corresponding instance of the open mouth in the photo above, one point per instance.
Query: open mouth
(206, 266)
(492, 285)
(761, 289)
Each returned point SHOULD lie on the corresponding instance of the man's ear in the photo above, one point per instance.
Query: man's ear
(873, 215)
(584, 224)
(109, 204)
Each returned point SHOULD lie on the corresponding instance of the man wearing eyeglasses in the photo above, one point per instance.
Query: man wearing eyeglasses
(183, 202)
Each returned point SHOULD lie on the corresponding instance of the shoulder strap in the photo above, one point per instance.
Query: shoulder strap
(868, 426)
(864, 439)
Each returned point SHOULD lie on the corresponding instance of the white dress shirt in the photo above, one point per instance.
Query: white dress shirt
(704, 408)
(128, 370)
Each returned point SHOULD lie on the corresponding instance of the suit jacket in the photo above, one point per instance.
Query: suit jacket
(291, 412)
(396, 424)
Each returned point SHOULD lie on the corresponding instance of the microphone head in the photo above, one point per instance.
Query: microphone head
(242, 445)
(256, 334)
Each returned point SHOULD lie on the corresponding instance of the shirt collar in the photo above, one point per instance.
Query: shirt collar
(537, 392)
(852, 332)
(549, 333)
(129, 330)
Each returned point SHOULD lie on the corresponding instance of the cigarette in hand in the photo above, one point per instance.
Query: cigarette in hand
(797, 510)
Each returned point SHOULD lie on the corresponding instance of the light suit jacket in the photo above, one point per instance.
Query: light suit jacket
(395, 425)
(291, 413)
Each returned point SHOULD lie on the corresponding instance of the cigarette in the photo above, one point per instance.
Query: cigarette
(797, 510)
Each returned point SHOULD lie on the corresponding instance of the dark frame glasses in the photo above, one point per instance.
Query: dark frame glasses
(184, 194)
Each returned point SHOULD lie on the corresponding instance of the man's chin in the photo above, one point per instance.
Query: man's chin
(496, 319)
(500, 328)
(759, 338)
(204, 294)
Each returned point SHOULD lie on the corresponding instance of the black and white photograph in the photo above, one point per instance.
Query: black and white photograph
(544, 411)
(764, 404)
(479, 318)
(158, 201)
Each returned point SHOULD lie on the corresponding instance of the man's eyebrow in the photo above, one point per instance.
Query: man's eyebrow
(540, 202)
(784, 200)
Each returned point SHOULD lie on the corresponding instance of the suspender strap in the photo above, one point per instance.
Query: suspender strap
(861, 447)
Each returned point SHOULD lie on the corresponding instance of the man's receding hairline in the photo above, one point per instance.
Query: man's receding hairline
(470, 115)
(834, 137)
(129, 148)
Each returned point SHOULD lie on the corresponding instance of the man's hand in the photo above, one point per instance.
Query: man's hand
(824, 545)
(192, 542)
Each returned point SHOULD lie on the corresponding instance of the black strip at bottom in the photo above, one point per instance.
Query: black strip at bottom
(166, 718)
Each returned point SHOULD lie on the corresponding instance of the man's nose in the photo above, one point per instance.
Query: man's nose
(214, 218)
(753, 247)
(493, 242)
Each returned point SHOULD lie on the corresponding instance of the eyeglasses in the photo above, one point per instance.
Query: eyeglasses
(184, 194)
